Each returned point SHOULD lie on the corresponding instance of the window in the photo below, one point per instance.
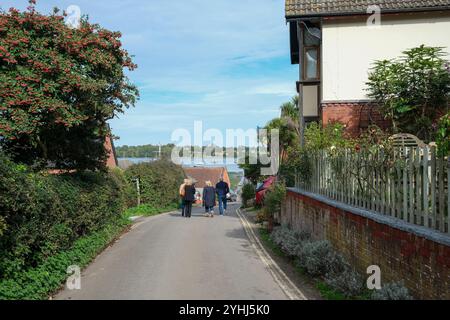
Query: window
(311, 52)
(311, 63)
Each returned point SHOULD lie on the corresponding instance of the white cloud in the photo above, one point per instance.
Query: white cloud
(215, 60)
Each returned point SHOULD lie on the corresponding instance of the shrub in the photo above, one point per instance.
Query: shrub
(392, 291)
(318, 258)
(319, 137)
(42, 214)
(278, 235)
(412, 90)
(443, 135)
(289, 241)
(248, 193)
(159, 182)
(38, 282)
(58, 87)
(273, 199)
(128, 187)
(291, 244)
(347, 281)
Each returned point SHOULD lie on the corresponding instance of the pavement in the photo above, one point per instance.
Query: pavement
(168, 257)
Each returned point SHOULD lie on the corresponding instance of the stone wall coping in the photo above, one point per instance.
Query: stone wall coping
(420, 231)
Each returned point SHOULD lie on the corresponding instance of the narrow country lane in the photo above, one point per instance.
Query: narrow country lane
(170, 257)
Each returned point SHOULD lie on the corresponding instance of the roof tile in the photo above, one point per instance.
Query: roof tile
(202, 174)
(298, 8)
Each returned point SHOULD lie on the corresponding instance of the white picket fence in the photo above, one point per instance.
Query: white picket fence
(412, 184)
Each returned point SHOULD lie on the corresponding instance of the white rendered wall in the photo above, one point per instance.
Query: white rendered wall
(350, 47)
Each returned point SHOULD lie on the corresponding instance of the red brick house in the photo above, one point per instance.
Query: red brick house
(111, 162)
(203, 174)
(335, 42)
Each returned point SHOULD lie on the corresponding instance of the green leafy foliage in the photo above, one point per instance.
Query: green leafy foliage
(248, 193)
(273, 199)
(49, 222)
(38, 282)
(289, 137)
(298, 164)
(392, 291)
(148, 210)
(290, 242)
(159, 182)
(283, 238)
(443, 135)
(58, 87)
(319, 137)
(251, 171)
(336, 279)
(145, 151)
(412, 90)
(42, 214)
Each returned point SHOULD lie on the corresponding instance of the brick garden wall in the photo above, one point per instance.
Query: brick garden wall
(357, 116)
(421, 259)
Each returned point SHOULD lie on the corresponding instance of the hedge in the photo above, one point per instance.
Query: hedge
(43, 214)
(51, 221)
(159, 182)
(37, 283)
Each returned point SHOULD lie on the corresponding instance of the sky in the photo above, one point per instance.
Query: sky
(223, 62)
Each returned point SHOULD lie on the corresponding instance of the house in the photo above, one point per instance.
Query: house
(335, 42)
(202, 174)
(111, 162)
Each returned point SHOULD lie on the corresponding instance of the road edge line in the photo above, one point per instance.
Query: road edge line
(280, 277)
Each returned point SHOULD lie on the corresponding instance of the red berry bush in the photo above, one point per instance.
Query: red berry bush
(58, 87)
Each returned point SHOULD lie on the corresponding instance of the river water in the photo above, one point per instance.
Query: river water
(231, 167)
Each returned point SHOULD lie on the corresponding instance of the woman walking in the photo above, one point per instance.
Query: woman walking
(189, 198)
(209, 199)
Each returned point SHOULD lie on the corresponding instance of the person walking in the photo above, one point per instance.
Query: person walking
(209, 199)
(189, 198)
(181, 193)
(222, 189)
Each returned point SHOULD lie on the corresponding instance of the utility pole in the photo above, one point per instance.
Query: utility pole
(159, 152)
(138, 190)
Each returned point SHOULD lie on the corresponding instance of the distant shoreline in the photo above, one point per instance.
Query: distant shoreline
(233, 167)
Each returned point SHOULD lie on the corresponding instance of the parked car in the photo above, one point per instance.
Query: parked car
(262, 189)
(231, 196)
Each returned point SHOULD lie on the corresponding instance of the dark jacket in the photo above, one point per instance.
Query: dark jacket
(222, 189)
(209, 197)
(189, 193)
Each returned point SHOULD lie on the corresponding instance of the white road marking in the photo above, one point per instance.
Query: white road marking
(288, 287)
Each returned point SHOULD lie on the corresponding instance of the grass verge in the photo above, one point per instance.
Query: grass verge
(40, 282)
(148, 210)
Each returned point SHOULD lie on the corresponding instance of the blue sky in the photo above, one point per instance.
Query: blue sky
(225, 62)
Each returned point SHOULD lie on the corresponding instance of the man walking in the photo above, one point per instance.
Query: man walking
(222, 189)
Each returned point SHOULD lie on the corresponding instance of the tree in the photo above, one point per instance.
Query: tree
(289, 133)
(412, 90)
(58, 87)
